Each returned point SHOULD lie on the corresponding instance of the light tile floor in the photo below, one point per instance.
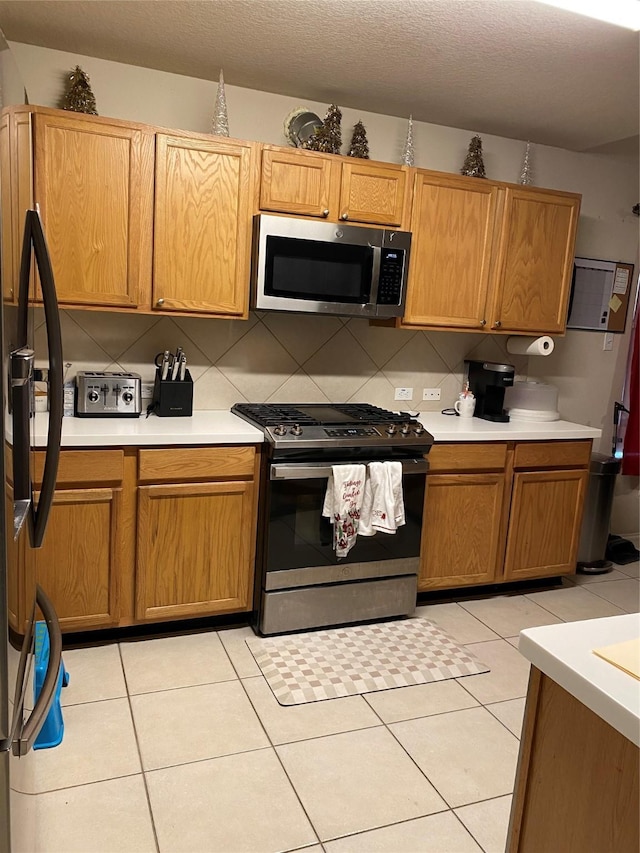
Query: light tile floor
(178, 744)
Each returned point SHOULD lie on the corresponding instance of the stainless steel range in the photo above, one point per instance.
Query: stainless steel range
(300, 583)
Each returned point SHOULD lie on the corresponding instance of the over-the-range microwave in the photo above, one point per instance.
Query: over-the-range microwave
(313, 267)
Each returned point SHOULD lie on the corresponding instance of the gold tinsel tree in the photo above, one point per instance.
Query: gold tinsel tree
(328, 137)
(474, 164)
(359, 145)
(79, 98)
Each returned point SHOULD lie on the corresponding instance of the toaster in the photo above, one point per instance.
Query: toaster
(108, 395)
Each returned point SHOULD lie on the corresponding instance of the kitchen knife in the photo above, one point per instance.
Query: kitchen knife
(175, 367)
(164, 368)
(183, 366)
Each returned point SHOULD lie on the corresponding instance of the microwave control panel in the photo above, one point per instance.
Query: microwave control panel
(390, 283)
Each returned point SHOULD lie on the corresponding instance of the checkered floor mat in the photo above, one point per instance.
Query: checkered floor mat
(361, 659)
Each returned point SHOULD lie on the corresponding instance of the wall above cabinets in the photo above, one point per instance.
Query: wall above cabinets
(143, 219)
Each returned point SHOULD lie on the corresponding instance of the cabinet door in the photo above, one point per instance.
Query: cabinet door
(536, 261)
(296, 182)
(461, 530)
(94, 183)
(452, 224)
(202, 238)
(194, 549)
(372, 193)
(8, 281)
(544, 524)
(78, 562)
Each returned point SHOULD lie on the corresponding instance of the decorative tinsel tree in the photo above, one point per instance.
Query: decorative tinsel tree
(220, 123)
(79, 98)
(328, 138)
(408, 153)
(474, 164)
(359, 145)
(526, 173)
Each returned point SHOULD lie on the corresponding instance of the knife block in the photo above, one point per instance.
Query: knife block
(173, 398)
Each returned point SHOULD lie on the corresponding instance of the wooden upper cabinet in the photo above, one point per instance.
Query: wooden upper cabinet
(373, 193)
(536, 260)
(94, 183)
(203, 218)
(8, 282)
(296, 182)
(304, 183)
(452, 223)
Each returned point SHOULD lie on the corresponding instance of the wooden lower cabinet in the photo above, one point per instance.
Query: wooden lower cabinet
(544, 523)
(461, 532)
(194, 549)
(487, 521)
(126, 544)
(78, 563)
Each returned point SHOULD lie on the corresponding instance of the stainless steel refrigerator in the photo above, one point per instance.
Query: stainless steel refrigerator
(20, 718)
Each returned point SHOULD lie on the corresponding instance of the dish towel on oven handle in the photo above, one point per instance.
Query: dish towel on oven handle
(342, 504)
(383, 502)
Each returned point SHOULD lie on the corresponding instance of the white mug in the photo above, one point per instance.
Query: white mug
(465, 406)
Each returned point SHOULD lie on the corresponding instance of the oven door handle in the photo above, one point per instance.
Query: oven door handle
(320, 470)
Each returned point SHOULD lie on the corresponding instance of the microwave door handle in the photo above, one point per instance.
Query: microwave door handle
(56, 390)
(375, 275)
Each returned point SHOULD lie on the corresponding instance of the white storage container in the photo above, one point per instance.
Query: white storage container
(532, 401)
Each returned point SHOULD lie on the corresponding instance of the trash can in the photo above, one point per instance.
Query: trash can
(597, 514)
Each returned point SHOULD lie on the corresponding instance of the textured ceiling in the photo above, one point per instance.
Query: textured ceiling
(515, 68)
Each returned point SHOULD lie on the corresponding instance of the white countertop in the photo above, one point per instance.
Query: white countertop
(221, 427)
(453, 428)
(565, 654)
(214, 427)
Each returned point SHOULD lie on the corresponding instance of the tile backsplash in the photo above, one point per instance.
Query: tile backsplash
(281, 357)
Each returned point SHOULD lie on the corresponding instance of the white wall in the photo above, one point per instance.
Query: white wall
(589, 378)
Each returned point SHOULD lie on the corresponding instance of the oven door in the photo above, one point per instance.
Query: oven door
(298, 546)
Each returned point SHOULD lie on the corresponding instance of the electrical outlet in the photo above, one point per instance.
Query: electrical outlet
(404, 394)
(430, 393)
(607, 344)
(146, 390)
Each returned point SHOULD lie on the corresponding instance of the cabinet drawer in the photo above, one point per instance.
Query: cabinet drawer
(552, 454)
(180, 464)
(83, 466)
(467, 457)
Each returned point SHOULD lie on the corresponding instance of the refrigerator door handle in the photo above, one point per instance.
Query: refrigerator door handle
(21, 367)
(23, 733)
(34, 236)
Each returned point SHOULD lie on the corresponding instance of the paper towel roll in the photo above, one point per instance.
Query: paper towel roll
(522, 345)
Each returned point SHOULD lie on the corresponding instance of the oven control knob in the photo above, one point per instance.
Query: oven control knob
(391, 429)
(296, 429)
(280, 430)
(419, 430)
(405, 429)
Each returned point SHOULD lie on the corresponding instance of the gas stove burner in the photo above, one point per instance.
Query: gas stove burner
(327, 425)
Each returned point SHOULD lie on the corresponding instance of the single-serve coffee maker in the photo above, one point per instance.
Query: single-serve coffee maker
(488, 381)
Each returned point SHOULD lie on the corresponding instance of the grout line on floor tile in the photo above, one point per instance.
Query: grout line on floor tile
(284, 769)
(135, 734)
(502, 723)
(467, 830)
(184, 687)
(82, 784)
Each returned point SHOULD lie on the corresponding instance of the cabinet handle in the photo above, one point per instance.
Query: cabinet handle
(160, 303)
(344, 216)
(497, 324)
(483, 322)
(325, 212)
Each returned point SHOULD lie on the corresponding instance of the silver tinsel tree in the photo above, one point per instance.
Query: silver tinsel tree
(408, 154)
(220, 124)
(526, 174)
